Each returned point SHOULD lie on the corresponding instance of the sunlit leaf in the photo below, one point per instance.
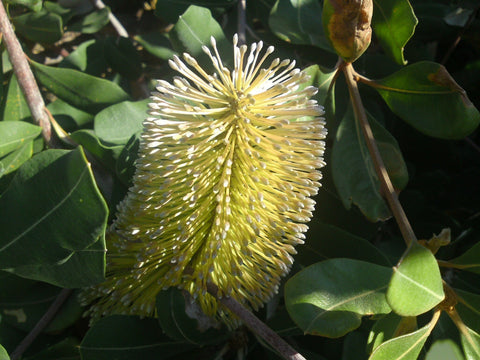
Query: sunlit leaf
(16, 108)
(3, 354)
(15, 134)
(444, 350)
(15, 159)
(35, 5)
(394, 24)
(428, 98)
(471, 344)
(416, 276)
(329, 298)
(389, 327)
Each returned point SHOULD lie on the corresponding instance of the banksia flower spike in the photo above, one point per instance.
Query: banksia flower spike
(226, 166)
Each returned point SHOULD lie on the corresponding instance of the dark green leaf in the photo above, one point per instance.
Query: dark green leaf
(123, 57)
(80, 90)
(64, 13)
(405, 347)
(329, 298)
(3, 354)
(116, 124)
(128, 337)
(15, 159)
(88, 57)
(458, 17)
(35, 5)
(353, 170)
(69, 117)
(172, 308)
(125, 166)
(444, 350)
(394, 24)
(471, 344)
(92, 22)
(15, 134)
(326, 241)
(470, 259)
(16, 108)
(157, 44)
(416, 285)
(320, 80)
(428, 98)
(388, 327)
(299, 22)
(468, 308)
(170, 10)
(194, 29)
(66, 349)
(43, 27)
(68, 214)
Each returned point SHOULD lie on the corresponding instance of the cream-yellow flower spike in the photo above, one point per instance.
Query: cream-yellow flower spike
(221, 194)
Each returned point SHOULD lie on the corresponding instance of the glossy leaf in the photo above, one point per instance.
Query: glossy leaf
(468, 307)
(3, 354)
(428, 98)
(15, 159)
(299, 22)
(416, 285)
(116, 124)
(16, 108)
(353, 170)
(42, 26)
(128, 337)
(329, 298)
(389, 327)
(172, 311)
(394, 23)
(123, 57)
(68, 215)
(92, 22)
(16, 134)
(194, 29)
(470, 259)
(444, 350)
(80, 90)
(471, 344)
(326, 241)
(405, 347)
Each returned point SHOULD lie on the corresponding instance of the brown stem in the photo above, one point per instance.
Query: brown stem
(242, 7)
(41, 324)
(388, 191)
(25, 77)
(257, 326)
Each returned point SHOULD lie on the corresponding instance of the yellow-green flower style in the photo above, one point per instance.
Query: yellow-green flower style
(226, 166)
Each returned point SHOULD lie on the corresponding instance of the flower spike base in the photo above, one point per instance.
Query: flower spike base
(227, 164)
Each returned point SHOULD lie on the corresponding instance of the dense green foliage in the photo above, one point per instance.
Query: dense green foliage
(356, 291)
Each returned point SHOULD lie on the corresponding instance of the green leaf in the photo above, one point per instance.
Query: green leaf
(15, 159)
(123, 57)
(353, 170)
(16, 107)
(388, 327)
(116, 124)
(3, 354)
(416, 285)
(69, 117)
(66, 349)
(64, 13)
(15, 134)
(82, 91)
(193, 30)
(68, 214)
(42, 26)
(468, 307)
(157, 44)
(170, 10)
(394, 23)
(329, 298)
(125, 166)
(326, 241)
(172, 309)
(428, 98)
(92, 22)
(88, 57)
(471, 344)
(35, 5)
(128, 337)
(405, 347)
(444, 350)
(470, 259)
(299, 22)
(321, 80)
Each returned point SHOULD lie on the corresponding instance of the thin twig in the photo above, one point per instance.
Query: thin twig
(113, 19)
(25, 77)
(257, 326)
(41, 324)
(242, 22)
(388, 191)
